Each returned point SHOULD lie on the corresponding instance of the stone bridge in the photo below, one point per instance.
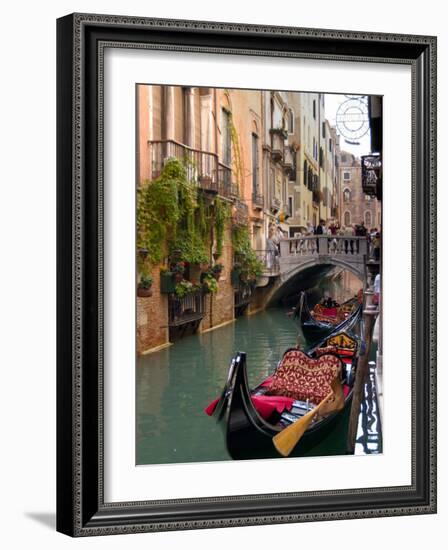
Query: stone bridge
(315, 254)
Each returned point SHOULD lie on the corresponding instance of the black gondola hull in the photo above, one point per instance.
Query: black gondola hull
(315, 331)
(249, 436)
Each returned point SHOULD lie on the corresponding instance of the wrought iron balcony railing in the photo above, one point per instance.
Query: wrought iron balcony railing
(187, 309)
(243, 295)
(371, 175)
(202, 167)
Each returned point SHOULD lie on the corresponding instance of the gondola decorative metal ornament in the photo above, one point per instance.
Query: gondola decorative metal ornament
(81, 42)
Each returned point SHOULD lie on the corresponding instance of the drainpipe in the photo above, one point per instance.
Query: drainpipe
(216, 121)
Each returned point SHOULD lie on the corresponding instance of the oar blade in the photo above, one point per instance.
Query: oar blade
(287, 439)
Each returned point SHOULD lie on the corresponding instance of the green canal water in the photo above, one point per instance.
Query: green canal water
(174, 386)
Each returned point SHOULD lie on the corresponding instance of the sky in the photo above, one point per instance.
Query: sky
(332, 103)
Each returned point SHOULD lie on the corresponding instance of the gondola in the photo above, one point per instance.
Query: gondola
(251, 418)
(321, 322)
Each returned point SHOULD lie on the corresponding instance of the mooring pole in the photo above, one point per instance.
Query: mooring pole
(370, 313)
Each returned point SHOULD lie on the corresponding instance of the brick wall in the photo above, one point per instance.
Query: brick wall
(152, 317)
(220, 306)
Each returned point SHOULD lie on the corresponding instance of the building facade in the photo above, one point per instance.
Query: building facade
(270, 157)
(355, 206)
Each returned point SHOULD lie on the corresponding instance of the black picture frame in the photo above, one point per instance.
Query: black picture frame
(81, 510)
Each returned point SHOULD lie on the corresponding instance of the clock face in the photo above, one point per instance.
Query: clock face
(352, 117)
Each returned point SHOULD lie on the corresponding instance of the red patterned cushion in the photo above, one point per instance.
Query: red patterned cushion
(301, 377)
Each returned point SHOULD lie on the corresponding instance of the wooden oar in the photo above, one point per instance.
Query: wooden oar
(287, 439)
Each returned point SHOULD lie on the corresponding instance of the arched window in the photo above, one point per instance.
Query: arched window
(347, 195)
(291, 121)
(347, 219)
(368, 218)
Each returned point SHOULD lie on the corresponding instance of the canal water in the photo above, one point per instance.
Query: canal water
(174, 386)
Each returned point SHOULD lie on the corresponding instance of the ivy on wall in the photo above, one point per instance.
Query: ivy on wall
(246, 261)
(173, 215)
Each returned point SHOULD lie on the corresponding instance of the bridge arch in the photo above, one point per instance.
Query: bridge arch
(315, 256)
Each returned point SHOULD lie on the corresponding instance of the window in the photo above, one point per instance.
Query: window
(330, 145)
(347, 195)
(347, 176)
(290, 210)
(255, 163)
(291, 121)
(226, 137)
(347, 219)
(323, 130)
(343, 158)
(305, 172)
(314, 109)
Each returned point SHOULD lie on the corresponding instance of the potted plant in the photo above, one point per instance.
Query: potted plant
(183, 288)
(279, 130)
(178, 269)
(217, 270)
(209, 284)
(176, 255)
(167, 285)
(144, 286)
(205, 181)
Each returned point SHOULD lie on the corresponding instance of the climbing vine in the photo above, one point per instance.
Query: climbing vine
(246, 261)
(237, 159)
(159, 200)
(173, 215)
(222, 215)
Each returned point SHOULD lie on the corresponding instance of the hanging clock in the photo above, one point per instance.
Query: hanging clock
(352, 118)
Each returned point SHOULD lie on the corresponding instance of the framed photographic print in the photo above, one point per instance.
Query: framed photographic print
(246, 274)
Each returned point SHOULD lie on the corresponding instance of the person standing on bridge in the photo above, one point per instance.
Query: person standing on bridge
(341, 233)
(311, 243)
(376, 244)
(271, 250)
(349, 232)
(361, 231)
(320, 230)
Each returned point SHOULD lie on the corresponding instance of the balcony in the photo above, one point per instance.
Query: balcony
(202, 166)
(257, 201)
(275, 204)
(371, 174)
(288, 162)
(225, 180)
(317, 196)
(278, 136)
(243, 294)
(187, 309)
(240, 213)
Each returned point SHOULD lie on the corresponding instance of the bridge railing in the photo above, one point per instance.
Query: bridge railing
(352, 248)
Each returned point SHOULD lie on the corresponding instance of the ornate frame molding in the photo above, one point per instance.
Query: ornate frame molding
(81, 42)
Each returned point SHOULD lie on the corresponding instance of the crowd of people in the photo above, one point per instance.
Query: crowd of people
(348, 244)
(336, 245)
